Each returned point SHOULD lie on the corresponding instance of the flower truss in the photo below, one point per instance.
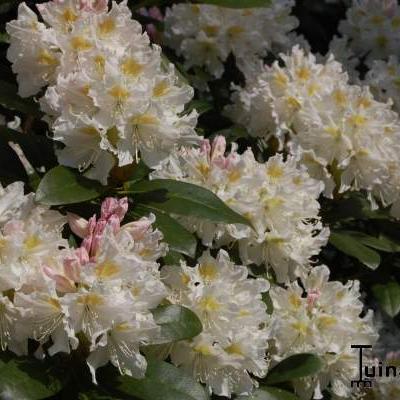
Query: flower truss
(234, 338)
(345, 137)
(278, 197)
(103, 290)
(109, 94)
(205, 34)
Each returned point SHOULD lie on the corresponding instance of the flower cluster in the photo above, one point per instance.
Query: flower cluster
(205, 34)
(344, 136)
(372, 27)
(384, 80)
(103, 290)
(109, 95)
(322, 317)
(278, 198)
(233, 342)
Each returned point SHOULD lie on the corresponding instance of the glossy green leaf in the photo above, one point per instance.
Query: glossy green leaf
(237, 3)
(177, 323)
(185, 199)
(27, 378)
(269, 393)
(179, 239)
(381, 243)
(353, 247)
(294, 367)
(163, 381)
(201, 106)
(10, 99)
(63, 185)
(388, 297)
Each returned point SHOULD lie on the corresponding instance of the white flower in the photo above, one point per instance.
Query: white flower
(384, 80)
(205, 34)
(278, 198)
(109, 98)
(339, 131)
(234, 337)
(321, 317)
(99, 295)
(32, 53)
(372, 27)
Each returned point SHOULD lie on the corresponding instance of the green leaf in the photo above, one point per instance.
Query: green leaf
(139, 173)
(185, 199)
(177, 323)
(173, 258)
(382, 242)
(388, 297)
(10, 99)
(351, 246)
(237, 3)
(294, 367)
(201, 106)
(63, 185)
(28, 379)
(354, 206)
(4, 37)
(178, 238)
(163, 381)
(269, 393)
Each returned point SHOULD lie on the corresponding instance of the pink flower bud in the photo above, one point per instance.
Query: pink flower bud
(205, 146)
(78, 225)
(112, 206)
(82, 255)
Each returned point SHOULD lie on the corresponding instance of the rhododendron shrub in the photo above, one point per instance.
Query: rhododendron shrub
(199, 200)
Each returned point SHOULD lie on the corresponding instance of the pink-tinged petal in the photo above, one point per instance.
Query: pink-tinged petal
(93, 5)
(13, 227)
(82, 255)
(122, 208)
(218, 148)
(312, 296)
(62, 283)
(138, 229)
(112, 206)
(115, 223)
(78, 225)
(108, 206)
(205, 146)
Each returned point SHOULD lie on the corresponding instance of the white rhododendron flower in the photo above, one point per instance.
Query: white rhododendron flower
(109, 95)
(372, 27)
(233, 342)
(321, 317)
(277, 197)
(205, 34)
(386, 387)
(384, 80)
(344, 136)
(339, 49)
(103, 290)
